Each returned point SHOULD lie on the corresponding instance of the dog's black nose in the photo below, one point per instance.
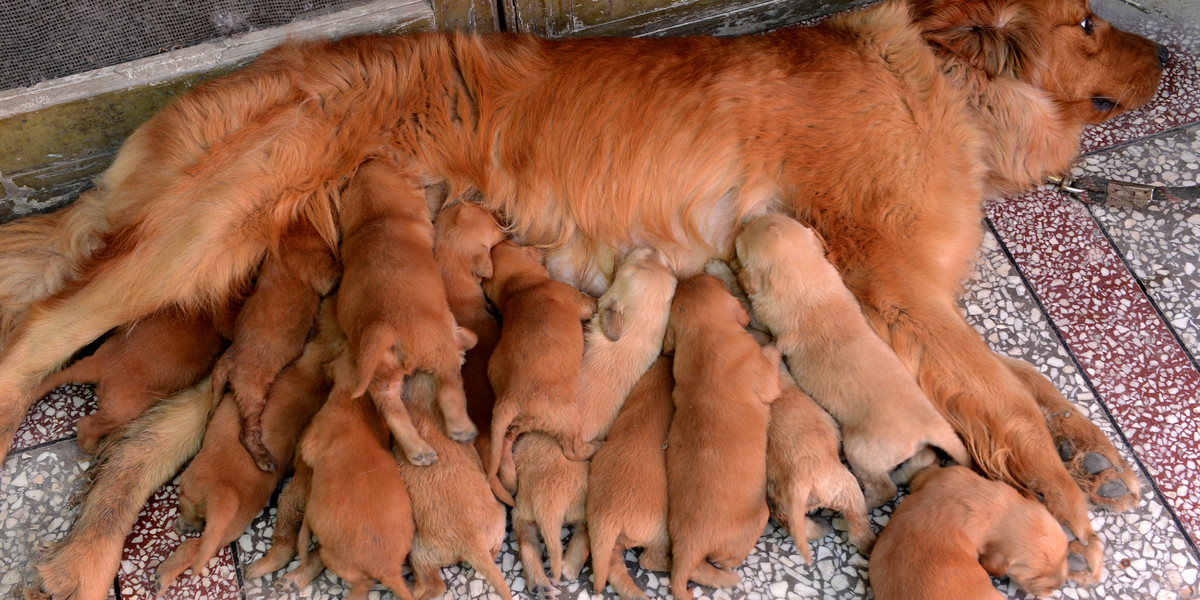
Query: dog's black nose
(1164, 55)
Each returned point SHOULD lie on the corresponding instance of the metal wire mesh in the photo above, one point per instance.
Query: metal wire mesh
(47, 39)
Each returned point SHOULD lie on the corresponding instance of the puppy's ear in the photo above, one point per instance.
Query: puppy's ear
(669, 342)
(750, 281)
(994, 562)
(587, 307)
(1001, 37)
(466, 338)
(481, 265)
(739, 312)
(612, 319)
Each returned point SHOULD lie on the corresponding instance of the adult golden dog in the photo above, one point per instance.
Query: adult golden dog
(883, 130)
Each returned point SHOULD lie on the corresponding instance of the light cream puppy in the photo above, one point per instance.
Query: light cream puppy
(836, 357)
(623, 339)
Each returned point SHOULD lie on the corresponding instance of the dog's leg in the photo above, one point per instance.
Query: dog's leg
(146, 455)
(712, 576)
(530, 552)
(1101, 473)
(452, 402)
(170, 569)
(577, 552)
(603, 534)
(288, 518)
(656, 556)
(622, 582)
(416, 450)
(299, 578)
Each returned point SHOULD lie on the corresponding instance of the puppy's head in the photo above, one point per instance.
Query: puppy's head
(1092, 68)
(1029, 546)
(472, 232)
(510, 261)
(701, 297)
(643, 279)
(769, 242)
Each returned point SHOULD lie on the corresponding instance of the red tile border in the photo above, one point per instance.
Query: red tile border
(1144, 377)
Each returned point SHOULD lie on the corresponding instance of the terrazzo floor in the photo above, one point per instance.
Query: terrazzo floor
(1103, 299)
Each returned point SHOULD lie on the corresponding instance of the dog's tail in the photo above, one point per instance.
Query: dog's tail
(375, 343)
(40, 254)
(604, 542)
(130, 466)
(484, 563)
(847, 498)
(502, 416)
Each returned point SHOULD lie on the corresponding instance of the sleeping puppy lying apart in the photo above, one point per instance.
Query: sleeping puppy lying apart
(272, 327)
(627, 485)
(836, 357)
(716, 449)
(954, 529)
(392, 303)
(804, 471)
(137, 365)
(535, 367)
(457, 517)
(623, 339)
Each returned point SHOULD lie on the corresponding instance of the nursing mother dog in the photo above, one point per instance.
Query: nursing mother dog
(883, 130)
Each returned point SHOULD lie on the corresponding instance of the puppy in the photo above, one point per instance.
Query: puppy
(392, 303)
(627, 485)
(623, 339)
(222, 490)
(804, 471)
(551, 491)
(140, 363)
(955, 528)
(457, 518)
(716, 448)
(535, 366)
(837, 358)
(464, 235)
(272, 327)
(358, 506)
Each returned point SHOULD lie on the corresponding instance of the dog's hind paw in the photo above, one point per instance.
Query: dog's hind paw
(284, 585)
(424, 458)
(463, 436)
(544, 592)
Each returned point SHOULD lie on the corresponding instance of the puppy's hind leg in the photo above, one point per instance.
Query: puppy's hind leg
(485, 564)
(530, 552)
(577, 552)
(844, 496)
(416, 450)
(298, 578)
(624, 585)
(288, 519)
(451, 398)
(171, 568)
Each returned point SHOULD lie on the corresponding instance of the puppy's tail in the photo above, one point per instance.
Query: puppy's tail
(604, 542)
(502, 417)
(375, 343)
(40, 254)
(485, 564)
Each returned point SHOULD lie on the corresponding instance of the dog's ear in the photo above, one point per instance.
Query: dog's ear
(739, 312)
(669, 342)
(1001, 37)
(750, 281)
(466, 338)
(481, 265)
(612, 319)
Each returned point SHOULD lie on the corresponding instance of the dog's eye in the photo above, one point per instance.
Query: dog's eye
(1087, 25)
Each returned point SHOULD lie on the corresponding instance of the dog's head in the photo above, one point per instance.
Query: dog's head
(1029, 546)
(1091, 68)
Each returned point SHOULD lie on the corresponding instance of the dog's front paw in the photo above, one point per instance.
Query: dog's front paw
(1103, 476)
(423, 458)
(544, 592)
(284, 585)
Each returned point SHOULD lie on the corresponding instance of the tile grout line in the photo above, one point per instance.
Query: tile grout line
(1127, 143)
(1092, 387)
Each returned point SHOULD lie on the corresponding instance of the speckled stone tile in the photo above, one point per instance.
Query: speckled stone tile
(36, 491)
(153, 539)
(1178, 100)
(53, 418)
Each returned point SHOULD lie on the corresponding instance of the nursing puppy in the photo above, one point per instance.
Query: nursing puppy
(535, 366)
(140, 363)
(272, 327)
(463, 237)
(357, 506)
(623, 339)
(954, 529)
(627, 485)
(551, 492)
(222, 490)
(836, 357)
(716, 449)
(805, 472)
(457, 517)
(392, 303)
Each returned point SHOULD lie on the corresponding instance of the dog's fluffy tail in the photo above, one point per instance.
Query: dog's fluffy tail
(130, 466)
(40, 254)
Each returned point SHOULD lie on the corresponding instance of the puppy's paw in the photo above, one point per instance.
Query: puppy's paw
(284, 585)
(1103, 476)
(1085, 561)
(543, 592)
(423, 458)
(185, 527)
(463, 435)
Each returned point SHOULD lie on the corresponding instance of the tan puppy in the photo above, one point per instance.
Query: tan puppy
(222, 490)
(804, 471)
(837, 358)
(627, 485)
(954, 529)
(272, 327)
(551, 492)
(464, 235)
(624, 338)
(357, 506)
(535, 366)
(140, 363)
(457, 517)
(716, 450)
(392, 303)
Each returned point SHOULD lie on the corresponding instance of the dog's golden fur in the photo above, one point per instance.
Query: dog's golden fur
(535, 387)
(223, 489)
(457, 517)
(136, 366)
(623, 339)
(716, 448)
(392, 303)
(833, 354)
(272, 326)
(627, 485)
(956, 528)
(588, 147)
